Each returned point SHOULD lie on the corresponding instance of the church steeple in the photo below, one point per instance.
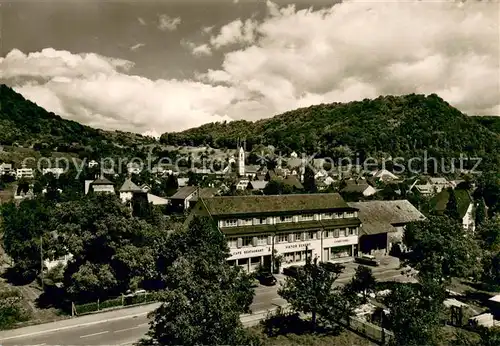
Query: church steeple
(241, 160)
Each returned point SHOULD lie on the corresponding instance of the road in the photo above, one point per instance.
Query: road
(128, 330)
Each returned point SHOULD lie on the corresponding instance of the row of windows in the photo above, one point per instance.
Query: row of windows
(247, 241)
(287, 218)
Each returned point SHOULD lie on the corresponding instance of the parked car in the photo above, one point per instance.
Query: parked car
(267, 279)
(291, 271)
(333, 267)
(367, 260)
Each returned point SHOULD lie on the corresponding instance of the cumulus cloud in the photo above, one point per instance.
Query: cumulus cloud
(291, 59)
(166, 23)
(201, 50)
(235, 32)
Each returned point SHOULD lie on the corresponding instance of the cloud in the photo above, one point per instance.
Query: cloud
(137, 46)
(141, 21)
(207, 29)
(165, 23)
(201, 50)
(235, 32)
(351, 51)
(97, 91)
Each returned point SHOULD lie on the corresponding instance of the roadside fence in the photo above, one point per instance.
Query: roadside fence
(115, 303)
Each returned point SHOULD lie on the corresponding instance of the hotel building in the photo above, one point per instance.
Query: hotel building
(258, 226)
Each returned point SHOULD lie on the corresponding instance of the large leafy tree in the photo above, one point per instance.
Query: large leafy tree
(311, 290)
(440, 249)
(488, 234)
(204, 296)
(414, 314)
(11, 309)
(452, 206)
(112, 250)
(309, 181)
(26, 234)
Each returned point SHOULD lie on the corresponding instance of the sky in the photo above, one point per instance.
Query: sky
(159, 66)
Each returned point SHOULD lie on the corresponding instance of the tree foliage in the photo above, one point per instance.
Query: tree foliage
(414, 314)
(204, 295)
(440, 249)
(363, 281)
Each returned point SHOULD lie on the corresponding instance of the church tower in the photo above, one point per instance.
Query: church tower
(241, 160)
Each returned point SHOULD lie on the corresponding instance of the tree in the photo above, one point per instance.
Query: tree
(488, 234)
(23, 228)
(309, 181)
(204, 295)
(363, 281)
(452, 206)
(491, 270)
(414, 314)
(111, 249)
(441, 249)
(11, 309)
(171, 185)
(481, 213)
(310, 291)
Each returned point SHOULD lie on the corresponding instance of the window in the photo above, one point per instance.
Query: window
(297, 236)
(247, 222)
(310, 235)
(353, 231)
(262, 240)
(231, 223)
(246, 241)
(349, 214)
(342, 232)
(327, 216)
(232, 242)
(282, 238)
(262, 221)
(339, 215)
(336, 233)
(285, 218)
(327, 234)
(307, 217)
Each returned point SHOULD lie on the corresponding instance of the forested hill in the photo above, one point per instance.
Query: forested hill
(394, 125)
(24, 123)
(490, 121)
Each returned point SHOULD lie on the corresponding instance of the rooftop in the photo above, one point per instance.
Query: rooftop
(231, 205)
(102, 181)
(129, 186)
(440, 201)
(381, 216)
(184, 192)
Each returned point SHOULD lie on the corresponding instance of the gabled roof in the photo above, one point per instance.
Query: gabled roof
(381, 216)
(129, 186)
(258, 184)
(440, 201)
(184, 192)
(157, 200)
(233, 205)
(353, 186)
(293, 181)
(102, 181)
(438, 180)
(206, 192)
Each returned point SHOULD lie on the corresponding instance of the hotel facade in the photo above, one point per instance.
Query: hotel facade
(259, 228)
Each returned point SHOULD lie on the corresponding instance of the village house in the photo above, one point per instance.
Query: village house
(56, 171)
(383, 224)
(465, 206)
(133, 168)
(359, 186)
(439, 184)
(259, 227)
(92, 164)
(24, 172)
(100, 185)
(384, 175)
(5, 168)
(257, 185)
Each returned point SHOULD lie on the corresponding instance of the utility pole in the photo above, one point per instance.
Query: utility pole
(41, 259)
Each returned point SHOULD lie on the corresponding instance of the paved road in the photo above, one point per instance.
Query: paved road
(129, 330)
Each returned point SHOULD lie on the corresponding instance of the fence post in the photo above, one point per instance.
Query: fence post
(97, 304)
(73, 309)
(122, 299)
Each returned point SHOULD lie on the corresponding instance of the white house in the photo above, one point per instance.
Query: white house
(102, 185)
(24, 172)
(362, 187)
(127, 190)
(242, 184)
(384, 175)
(5, 168)
(439, 184)
(92, 164)
(54, 170)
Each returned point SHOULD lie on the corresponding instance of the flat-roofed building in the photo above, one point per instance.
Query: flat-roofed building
(257, 228)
